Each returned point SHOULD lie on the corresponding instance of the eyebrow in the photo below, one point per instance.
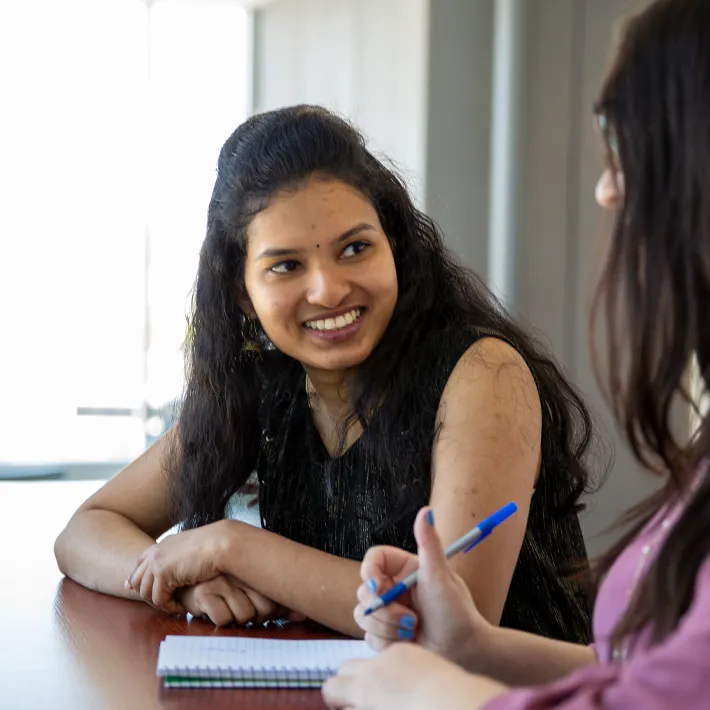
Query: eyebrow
(353, 231)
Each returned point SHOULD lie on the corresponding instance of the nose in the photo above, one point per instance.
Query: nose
(609, 192)
(327, 287)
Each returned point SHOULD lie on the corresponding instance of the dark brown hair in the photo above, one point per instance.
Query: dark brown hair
(656, 105)
(234, 373)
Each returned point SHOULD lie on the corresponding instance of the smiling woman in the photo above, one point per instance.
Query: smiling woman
(343, 354)
(320, 276)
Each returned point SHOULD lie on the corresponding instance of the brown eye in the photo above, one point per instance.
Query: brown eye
(285, 267)
(355, 248)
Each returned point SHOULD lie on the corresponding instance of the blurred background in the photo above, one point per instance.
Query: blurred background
(113, 115)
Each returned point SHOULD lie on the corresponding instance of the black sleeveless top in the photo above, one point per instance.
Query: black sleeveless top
(344, 505)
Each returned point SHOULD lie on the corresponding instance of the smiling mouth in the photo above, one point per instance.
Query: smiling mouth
(337, 323)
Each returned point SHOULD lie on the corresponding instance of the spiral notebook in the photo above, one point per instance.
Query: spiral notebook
(242, 662)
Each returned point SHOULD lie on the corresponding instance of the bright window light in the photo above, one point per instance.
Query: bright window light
(114, 113)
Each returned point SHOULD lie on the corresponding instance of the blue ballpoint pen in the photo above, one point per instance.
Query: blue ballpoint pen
(465, 543)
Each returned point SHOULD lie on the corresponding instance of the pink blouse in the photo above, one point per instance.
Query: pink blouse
(672, 675)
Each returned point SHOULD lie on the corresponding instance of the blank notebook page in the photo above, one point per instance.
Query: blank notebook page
(198, 661)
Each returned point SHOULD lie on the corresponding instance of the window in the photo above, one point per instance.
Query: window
(114, 113)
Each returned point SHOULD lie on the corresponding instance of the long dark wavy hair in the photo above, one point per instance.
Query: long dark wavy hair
(227, 375)
(656, 283)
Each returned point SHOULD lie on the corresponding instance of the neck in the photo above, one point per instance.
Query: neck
(331, 388)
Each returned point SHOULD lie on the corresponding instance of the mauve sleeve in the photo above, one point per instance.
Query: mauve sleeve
(673, 675)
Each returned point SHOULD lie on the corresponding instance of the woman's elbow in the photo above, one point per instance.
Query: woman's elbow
(61, 551)
(65, 544)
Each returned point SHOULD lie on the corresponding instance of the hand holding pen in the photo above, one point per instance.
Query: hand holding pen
(441, 614)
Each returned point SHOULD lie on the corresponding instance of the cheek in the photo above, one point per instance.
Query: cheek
(274, 307)
(391, 276)
(383, 284)
(267, 308)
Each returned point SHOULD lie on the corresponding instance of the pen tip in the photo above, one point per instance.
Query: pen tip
(367, 612)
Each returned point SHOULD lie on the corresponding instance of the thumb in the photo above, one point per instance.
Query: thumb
(433, 565)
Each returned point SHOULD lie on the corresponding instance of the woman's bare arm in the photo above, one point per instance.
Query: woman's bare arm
(99, 545)
(487, 454)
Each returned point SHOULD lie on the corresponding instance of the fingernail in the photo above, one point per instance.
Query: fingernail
(127, 584)
(406, 634)
(371, 585)
(430, 517)
(408, 622)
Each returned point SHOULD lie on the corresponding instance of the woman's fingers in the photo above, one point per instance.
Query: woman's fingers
(162, 596)
(217, 609)
(264, 608)
(187, 598)
(383, 633)
(151, 590)
(146, 586)
(384, 562)
(136, 577)
(369, 592)
(208, 601)
(242, 609)
(394, 622)
(243, 604)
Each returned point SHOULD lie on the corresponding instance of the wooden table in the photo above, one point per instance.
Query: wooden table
(63, 646)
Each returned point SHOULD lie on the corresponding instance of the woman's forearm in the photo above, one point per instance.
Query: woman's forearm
(98, 549)
(321, 586)
(518, 658)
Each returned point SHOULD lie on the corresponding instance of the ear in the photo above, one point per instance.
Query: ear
(244, 302)
(246, 305)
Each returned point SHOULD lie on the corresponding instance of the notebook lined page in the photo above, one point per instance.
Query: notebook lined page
(213, 653)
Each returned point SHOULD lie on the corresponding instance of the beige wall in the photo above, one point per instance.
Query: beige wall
(564, 229)
(459, 124)
(416, 75)
(364, 58)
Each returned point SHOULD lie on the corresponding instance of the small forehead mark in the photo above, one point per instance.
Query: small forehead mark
(317, 246)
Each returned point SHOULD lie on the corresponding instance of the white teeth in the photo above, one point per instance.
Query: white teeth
(335, 323)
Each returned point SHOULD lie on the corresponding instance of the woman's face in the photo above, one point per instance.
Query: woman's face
(320, 274)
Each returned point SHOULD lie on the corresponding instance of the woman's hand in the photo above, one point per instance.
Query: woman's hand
(224, 600)
(181, 560)
(406, 676)
(438, 612)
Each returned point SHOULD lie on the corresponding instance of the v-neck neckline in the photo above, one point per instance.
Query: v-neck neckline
(315, 433)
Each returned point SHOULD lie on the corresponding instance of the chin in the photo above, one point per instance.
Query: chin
(335, 365)
(337, 361)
